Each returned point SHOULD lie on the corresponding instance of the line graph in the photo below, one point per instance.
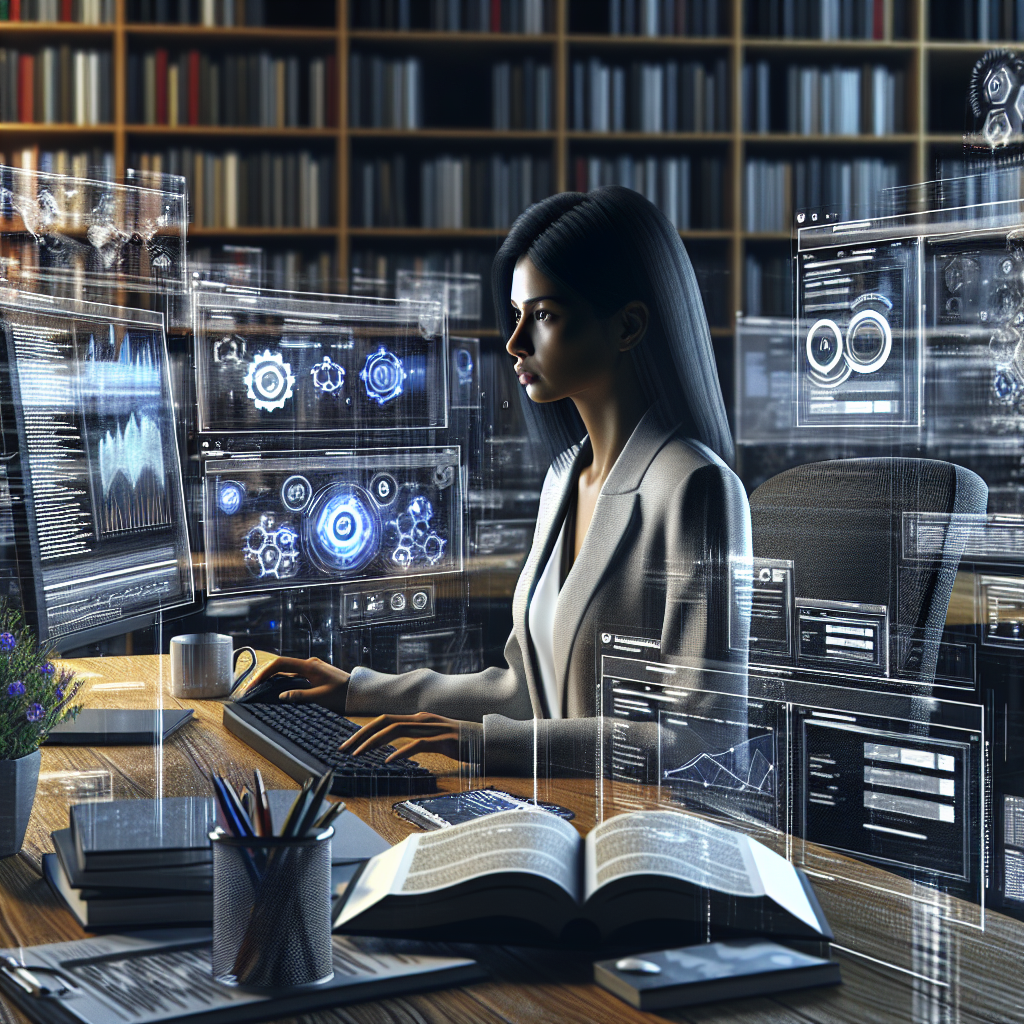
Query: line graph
(746, 766)
(132, 477)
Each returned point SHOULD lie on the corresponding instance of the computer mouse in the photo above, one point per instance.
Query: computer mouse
(267, 691)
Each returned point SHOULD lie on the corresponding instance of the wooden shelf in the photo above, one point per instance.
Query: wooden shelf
(428, 234)
(256, 232)
(766, 43)
(597, 39)
(456, 134)
(431, 38)
(230, 131)
(20, 30)
(645, 137)
(789, 138)
(48, 131)
(278, 35)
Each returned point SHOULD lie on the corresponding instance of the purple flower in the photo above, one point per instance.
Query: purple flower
(16, 689)
(7, 642)
(59, 692)
(47, 668)
(35, 712)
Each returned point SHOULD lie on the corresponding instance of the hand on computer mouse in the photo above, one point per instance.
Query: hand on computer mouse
(327, 685)
(436, 734)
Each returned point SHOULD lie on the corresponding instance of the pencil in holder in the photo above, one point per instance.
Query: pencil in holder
(272, 910)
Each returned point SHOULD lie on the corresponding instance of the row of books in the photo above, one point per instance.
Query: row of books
(279, 189)
(767, 284)
(85, 12)
(977, 19)
(677, 96)
(773, 190)
(383, 92)
(689, 191)
(519, 16)
(454, 191)
(869, 100)
(667, 18)
(84, 163)
(521, 96)
(254, 266)
(829, 19)
(209, 13)
(56, 85)
(255, 89)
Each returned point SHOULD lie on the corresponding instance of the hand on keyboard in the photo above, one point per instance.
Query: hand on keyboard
(435, 734)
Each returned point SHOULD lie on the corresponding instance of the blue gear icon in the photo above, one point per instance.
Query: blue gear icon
(383, 375)
(230, 496)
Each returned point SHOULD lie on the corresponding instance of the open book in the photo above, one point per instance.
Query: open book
(527, 876)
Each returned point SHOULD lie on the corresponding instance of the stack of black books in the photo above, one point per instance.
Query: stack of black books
(125, 863)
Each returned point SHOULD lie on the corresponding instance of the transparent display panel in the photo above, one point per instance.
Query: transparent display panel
(992, 538)
(858, 335)
(766, 382)
(302, 519)
(1001, 607)
(458, 294)
(276, 362)
(100, 521)
(95, 239)
(839, 777)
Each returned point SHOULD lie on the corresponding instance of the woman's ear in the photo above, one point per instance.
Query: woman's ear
(634, 318)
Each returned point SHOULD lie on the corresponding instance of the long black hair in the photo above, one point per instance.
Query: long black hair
(612, 246)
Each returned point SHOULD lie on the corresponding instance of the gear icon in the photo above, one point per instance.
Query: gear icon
(328, 376)
(270, 381)
(383, 376)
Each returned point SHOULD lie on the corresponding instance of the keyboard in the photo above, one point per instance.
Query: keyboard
(303, 740)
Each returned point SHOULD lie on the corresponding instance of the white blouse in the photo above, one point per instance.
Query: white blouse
(541, 622)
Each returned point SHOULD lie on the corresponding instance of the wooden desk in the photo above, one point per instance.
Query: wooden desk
(901, 962)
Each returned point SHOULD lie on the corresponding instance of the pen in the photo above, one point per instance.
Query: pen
(322, 788)
(329, 815)
(296, 810)
(263, 819)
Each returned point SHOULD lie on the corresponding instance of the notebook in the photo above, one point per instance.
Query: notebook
(105, 727)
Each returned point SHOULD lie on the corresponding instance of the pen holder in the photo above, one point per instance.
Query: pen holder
(272, 910)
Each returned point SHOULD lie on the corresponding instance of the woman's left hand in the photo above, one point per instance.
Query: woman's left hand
(435, 734)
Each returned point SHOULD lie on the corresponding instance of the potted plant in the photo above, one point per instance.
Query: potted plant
(34, 696)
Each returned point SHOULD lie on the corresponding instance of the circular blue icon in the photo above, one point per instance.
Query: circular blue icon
(342, 529)
(383, 375)
(1004, 387)
(230, 496)
(384, 488)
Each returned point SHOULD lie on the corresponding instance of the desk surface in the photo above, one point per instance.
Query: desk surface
(901, 961)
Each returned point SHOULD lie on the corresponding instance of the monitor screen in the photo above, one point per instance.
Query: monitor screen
(300, 519)
(98, 505)
(281, 362)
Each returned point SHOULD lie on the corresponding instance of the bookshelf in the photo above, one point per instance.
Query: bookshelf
(934, 75)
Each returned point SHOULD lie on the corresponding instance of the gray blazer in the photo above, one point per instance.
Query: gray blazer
(670, 524)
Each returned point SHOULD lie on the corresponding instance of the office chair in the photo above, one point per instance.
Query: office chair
(841, 524)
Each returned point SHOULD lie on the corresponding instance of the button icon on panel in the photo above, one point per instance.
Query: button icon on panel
(398, 602)
(420, 600)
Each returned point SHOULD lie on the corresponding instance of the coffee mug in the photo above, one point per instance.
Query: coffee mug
(203, 665)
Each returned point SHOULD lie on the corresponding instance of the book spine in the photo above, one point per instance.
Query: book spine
(26, 87)
(160, 72)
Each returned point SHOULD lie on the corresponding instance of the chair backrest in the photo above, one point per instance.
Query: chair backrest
(841, 525)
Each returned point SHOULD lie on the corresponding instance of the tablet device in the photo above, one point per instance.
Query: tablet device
(450, 809)
(102, 727)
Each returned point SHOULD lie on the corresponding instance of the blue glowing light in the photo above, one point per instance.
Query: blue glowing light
(271, 550)
(464, 367)
(1004, 387)
(343, 531)
(230, 497)
(383, 375)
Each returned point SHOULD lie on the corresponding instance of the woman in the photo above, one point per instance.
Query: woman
(638, 524)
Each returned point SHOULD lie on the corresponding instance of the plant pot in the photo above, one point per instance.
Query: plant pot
(17, 793)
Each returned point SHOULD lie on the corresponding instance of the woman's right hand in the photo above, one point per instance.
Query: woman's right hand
(327, 685)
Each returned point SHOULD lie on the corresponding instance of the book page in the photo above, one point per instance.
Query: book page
(532, 841)
(673, 844)
(383, 875)
(782, 884)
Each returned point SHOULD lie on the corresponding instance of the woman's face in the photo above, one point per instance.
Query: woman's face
(561, 346)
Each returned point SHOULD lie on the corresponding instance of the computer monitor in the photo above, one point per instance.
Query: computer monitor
(97, 500)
